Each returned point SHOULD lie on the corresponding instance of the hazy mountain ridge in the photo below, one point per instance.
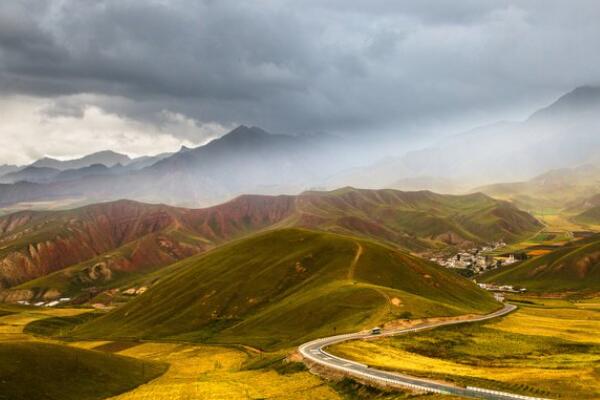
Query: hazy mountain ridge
(563, 135)
(32, 174)
(251, 160)
(108, 158)
(47, 169)
(247, 160)
(572, 189)
(7, 169)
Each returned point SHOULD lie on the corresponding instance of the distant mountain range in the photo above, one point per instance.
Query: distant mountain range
(565, 134)
(47, 169)
(571, 189)
(107, 158)
(246, 160)
(31, 174)
(7, 169)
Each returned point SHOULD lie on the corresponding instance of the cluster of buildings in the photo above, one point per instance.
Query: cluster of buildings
(501, 288)
(135, 291)
(52, 303)
(476, 260)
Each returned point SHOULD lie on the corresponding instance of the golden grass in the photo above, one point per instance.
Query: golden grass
(215, 372)
(525, 367)
(570, 324)
(209, 372)
(12, 325)
(92, 344)
(560, 222)
(380, 355)
(195, 372)
(536, 253)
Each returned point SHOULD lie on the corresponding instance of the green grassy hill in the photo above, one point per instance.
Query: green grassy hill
(34, 370)
(414, 220)
(588, 217)
(287, 286)
(576, 266)
(566, 188)
(46, 255)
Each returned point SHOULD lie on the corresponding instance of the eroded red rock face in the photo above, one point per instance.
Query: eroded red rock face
(34, 244)
(244, 214)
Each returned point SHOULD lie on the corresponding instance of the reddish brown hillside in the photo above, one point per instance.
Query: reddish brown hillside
(34, 244)
(242, 215)
(101, 241)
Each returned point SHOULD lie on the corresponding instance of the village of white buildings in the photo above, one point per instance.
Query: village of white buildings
(478, 260)
(133, 291)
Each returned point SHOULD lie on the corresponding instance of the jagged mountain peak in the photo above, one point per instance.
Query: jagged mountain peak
(244, 134)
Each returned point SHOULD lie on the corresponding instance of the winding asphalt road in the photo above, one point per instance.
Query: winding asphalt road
(315, 352)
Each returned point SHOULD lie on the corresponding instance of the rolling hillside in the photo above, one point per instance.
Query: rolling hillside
(53, 254)
(286, 286)
(414, 220)
(33, 244)
(575, 266)
(45, 255)
(568, 188)
(590, 216)
(53, 372)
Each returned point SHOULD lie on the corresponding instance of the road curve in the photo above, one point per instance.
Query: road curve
(314, 352)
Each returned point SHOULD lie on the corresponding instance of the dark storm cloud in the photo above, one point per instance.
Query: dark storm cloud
(298, 65)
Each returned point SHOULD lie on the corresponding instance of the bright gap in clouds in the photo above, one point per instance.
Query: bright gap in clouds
(31, 129)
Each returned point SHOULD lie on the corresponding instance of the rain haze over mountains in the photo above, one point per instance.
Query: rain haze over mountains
(224, 199)
(194, 103)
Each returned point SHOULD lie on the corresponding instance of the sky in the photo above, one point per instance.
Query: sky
(145, 77)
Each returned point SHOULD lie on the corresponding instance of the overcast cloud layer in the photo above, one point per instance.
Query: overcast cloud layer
(147, 76)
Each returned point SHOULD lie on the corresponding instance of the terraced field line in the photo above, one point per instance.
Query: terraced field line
(352, 270)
